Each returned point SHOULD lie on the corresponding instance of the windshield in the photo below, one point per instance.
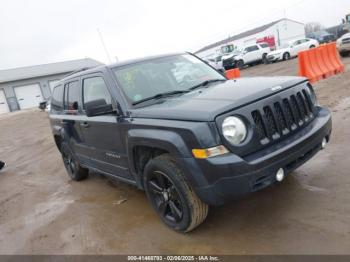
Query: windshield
(146, 79)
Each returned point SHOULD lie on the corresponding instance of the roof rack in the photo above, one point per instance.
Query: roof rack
(78, 70)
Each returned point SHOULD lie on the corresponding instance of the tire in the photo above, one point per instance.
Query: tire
(75, 171)
(344, 54)
(264, 59)
(171, 196)
(240, 64)
(312, 46)
(286, 56)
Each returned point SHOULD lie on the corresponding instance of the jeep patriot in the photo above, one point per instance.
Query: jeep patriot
(185, 134)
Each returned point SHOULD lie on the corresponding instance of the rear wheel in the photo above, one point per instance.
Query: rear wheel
(286, 56)
(264, 59)
(74, 169)
(312, 46)
(171, 196)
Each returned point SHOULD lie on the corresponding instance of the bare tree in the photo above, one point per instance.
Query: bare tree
(313, 27)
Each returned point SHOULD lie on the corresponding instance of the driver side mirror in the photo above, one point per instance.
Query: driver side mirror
(98, 107)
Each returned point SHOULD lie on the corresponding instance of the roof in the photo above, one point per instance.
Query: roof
(119, 64)
(143, 59)
(27, 72)
(244, 34)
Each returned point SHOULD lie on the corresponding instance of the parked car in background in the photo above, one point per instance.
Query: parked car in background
(250, 55)
(343, 45)
(292, 49)
(216, 62)
(323, 37)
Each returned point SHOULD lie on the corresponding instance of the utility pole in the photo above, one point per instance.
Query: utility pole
(104, 46)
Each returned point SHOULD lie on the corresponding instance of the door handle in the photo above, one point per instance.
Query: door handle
(85, 124)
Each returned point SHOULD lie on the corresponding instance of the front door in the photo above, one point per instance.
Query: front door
(102, 138)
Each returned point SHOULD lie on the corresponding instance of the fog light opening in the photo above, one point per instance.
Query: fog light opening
(280, 175)
(324, 143)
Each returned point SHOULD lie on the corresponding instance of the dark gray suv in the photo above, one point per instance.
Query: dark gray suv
(178, 129)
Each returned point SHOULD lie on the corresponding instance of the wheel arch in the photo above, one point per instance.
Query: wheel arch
(145, 144)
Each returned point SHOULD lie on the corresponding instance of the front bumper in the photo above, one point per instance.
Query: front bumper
(229, 63)
(273, 58)
(230, 176)
(344, 47)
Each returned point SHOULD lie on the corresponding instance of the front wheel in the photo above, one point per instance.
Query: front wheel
(312, 46)
(240, 64)
(171, 196)
(344, 54)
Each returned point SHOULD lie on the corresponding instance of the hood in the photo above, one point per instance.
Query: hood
(282, 50)
(206, 103)
(229, 56)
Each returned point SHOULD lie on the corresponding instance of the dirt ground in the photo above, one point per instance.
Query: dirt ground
(43, 212)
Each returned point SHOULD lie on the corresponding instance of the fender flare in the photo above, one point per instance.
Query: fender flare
(161, 139)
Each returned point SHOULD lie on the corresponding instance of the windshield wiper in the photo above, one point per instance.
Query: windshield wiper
(206, 82)
(161, 95)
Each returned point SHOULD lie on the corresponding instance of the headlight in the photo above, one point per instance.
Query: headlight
(312, 94)
(234, 130)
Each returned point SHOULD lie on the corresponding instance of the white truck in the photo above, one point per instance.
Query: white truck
(250, 55)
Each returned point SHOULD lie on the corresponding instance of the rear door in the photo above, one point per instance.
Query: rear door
(252, 54)
(3, 103)
(102, 134)
(28, 96)
(72, 114)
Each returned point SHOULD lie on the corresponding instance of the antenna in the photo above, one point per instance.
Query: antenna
(104, 46)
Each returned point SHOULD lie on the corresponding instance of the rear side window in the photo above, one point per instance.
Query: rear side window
(57, 98)
(72, 96)
(94, 88)
(264, 45)
(251, 48)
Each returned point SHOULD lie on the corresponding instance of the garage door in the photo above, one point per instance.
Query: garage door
(28, 96)
(3, 103)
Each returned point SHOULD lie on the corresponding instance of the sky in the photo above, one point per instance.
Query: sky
(44, 31)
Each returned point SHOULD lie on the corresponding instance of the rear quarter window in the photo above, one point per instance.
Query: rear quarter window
(57, 98)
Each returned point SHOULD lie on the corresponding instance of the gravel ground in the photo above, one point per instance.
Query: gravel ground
(43, 212)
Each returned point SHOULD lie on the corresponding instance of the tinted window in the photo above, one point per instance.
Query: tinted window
(252, 48)
(72, 96)
(57, 98)
(95, 88)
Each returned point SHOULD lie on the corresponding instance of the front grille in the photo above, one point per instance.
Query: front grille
(282, 117)
(346, 40)
(228, 62)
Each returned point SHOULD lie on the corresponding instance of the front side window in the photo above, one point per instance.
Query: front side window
(173, 73)
(94, 88)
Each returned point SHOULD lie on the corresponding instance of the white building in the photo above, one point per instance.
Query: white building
(25, 87)
(277, 33)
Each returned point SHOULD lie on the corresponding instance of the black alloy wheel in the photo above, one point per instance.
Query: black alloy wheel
(166, 197)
